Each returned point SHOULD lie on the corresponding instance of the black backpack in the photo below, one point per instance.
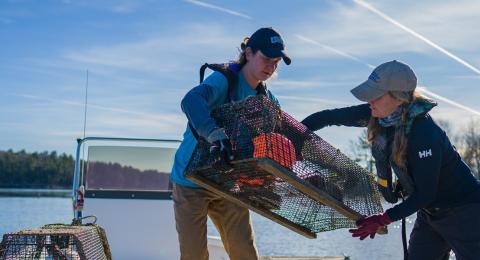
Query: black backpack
(230, 71)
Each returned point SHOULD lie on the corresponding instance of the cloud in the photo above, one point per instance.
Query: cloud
(350, 29)
(113, 6)
(447, 23)
(417, 35)
(333, 50)
(149, 67)
(126, 7)
(313, 99)
(101, 107)
(53, 123)
(430, 94)
(164, 53)
(137, 126)
(102, 117)
(423, 89)
(357, 31)
(222, 9)
(476, 77)
(309, 84)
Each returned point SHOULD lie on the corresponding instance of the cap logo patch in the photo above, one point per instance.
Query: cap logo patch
(374, 77)
(276, 39)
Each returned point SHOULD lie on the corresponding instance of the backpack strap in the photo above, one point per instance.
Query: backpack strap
(262, 89)
(230, 71)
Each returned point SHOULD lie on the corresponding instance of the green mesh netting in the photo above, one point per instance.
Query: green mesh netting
(304, 171)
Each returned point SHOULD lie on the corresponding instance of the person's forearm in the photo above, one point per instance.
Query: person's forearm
(317, 120)
(347, 116)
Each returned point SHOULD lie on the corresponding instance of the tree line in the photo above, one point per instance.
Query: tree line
(47, 170)
(55, 171)
(42, 170)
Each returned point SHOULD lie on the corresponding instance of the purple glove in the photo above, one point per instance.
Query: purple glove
(370, 225)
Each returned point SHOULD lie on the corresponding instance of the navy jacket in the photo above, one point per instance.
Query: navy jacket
(441, 178)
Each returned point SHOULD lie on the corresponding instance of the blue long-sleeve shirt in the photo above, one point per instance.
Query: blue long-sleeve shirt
(197, 105)
(441, 178)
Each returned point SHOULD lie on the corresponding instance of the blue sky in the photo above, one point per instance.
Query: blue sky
(143, 56)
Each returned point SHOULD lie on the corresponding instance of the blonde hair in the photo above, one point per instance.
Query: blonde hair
(400, 141)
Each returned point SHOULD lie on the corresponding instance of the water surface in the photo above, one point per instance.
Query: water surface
(18, 213)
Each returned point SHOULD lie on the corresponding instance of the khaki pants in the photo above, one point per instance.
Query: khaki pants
(233, 223)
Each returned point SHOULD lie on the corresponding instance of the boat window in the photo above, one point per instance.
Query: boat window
(129, 168)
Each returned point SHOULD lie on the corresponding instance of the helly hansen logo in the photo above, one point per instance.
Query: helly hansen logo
(426, 153)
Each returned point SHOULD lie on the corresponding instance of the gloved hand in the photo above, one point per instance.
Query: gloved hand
(370, 225)
(221, 146)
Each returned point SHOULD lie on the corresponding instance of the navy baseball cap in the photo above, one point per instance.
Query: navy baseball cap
(270, 43)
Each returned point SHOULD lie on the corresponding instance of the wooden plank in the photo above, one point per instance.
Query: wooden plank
(206, 183)
(308, 189)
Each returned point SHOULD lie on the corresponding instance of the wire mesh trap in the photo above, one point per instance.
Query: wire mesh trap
(56, 242)
(283, 171)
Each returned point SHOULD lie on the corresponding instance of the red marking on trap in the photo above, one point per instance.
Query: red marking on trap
(274, 146)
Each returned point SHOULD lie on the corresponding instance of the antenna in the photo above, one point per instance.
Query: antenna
(82, 168)
(86, 101)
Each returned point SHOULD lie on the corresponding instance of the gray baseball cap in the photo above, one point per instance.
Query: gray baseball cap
(390, 76)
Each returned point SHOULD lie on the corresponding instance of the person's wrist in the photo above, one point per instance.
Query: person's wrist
(385, 219)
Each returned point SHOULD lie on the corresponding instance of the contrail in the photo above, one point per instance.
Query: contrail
(225, 10)
(351, 57)
(339, 52)
(314, 100)
(422, 89)
(113, 109)
(417, 35)
(426, 92)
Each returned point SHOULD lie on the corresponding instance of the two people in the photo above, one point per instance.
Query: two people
(432, 178)
(260, 56)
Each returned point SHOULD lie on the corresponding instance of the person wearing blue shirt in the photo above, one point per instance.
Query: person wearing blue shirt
(432, 178)
(258, 61)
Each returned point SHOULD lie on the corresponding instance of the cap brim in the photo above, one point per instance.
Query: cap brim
(368, 91)
(277, 53)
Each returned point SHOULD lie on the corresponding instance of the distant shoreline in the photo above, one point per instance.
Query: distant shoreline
(16, 192)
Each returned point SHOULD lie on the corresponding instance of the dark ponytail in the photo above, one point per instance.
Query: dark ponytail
(242, 57)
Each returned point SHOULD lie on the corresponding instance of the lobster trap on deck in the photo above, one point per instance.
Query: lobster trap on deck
(56, 242)
(283, 171)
